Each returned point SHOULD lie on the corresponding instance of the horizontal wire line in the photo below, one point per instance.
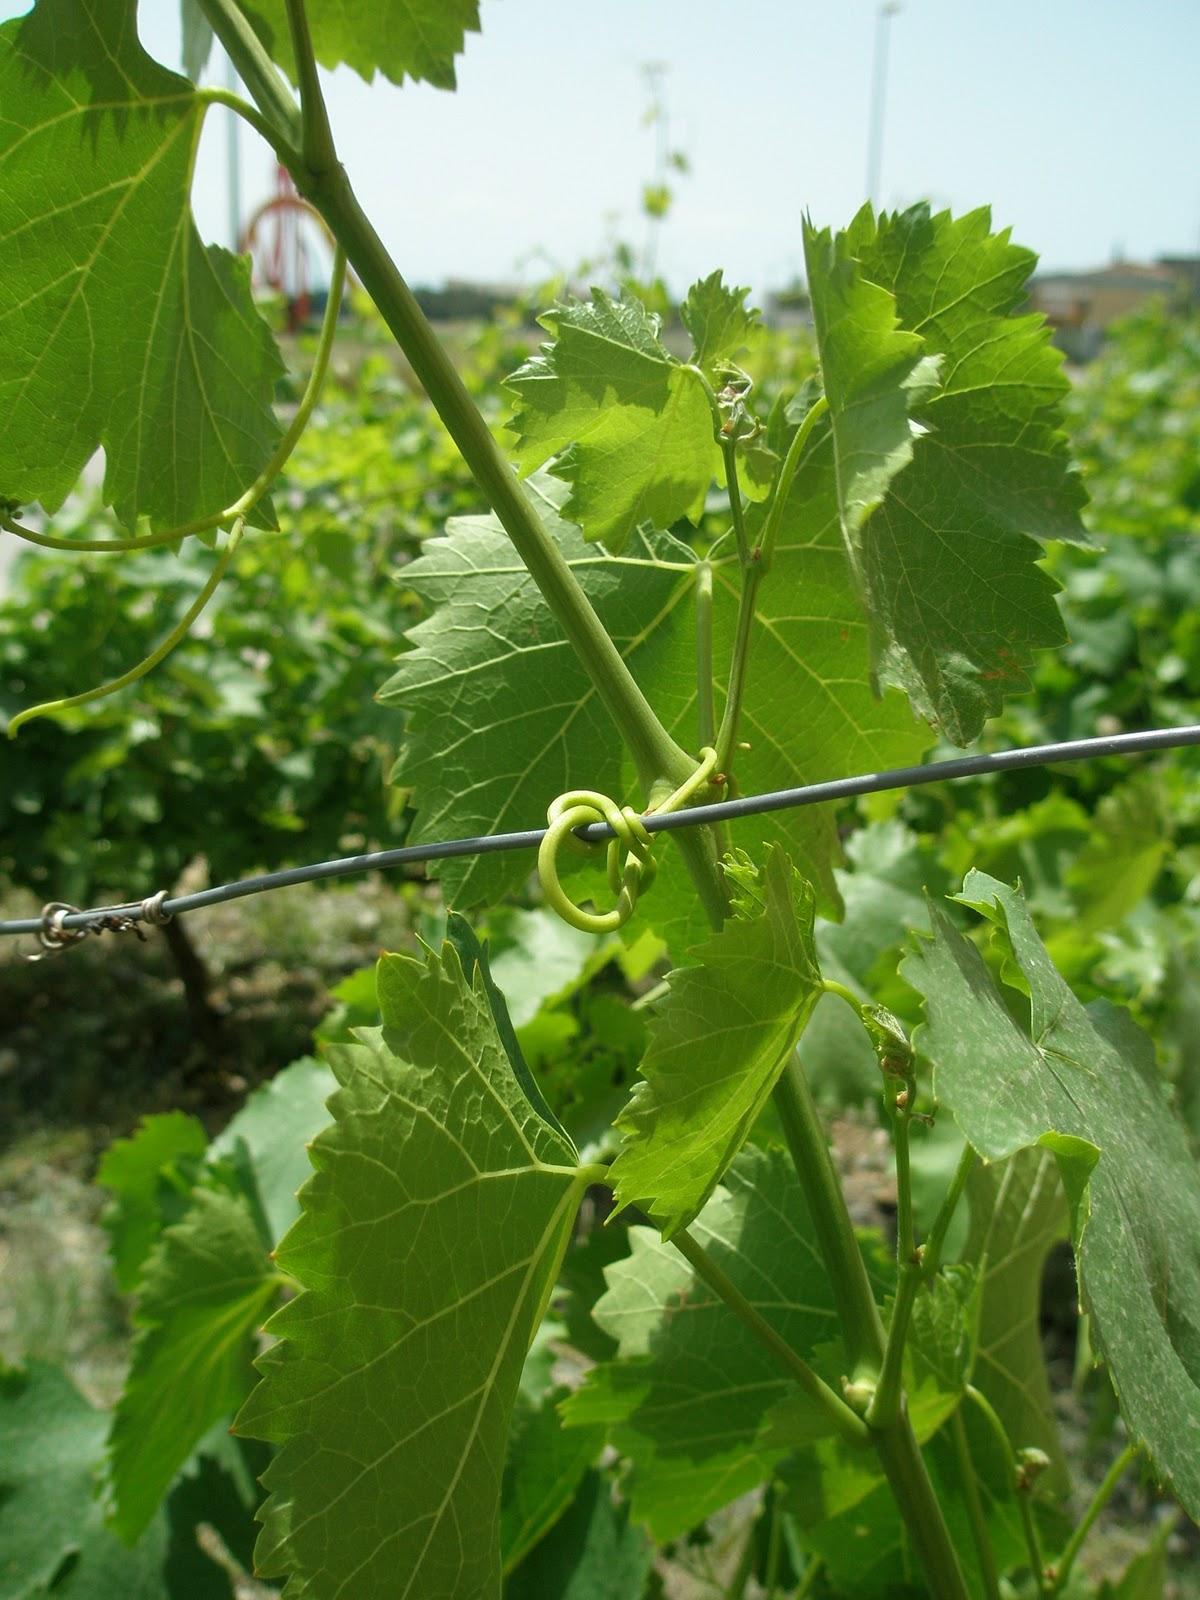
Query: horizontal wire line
(1038, 755)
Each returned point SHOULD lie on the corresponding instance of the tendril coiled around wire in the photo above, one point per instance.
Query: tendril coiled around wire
(577, 809)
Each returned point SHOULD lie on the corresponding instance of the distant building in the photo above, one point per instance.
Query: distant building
(1080, 306)
(789, 308)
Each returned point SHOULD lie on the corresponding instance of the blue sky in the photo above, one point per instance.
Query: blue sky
(1078, 121)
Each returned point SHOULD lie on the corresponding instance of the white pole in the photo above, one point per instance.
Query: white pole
(878, 86)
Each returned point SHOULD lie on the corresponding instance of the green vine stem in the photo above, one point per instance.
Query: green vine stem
(848, 1424)
(49, 707)
(279, 457)
(736, 509)
(862, 1331)
(858, 1315)
(980, 1536)
(317, 147)
(655, 753)
(888, 1398)
(1060, 1570)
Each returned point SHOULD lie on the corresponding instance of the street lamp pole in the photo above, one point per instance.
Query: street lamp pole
(883, 17)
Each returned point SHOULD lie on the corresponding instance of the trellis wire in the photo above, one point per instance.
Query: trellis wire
(158, 908)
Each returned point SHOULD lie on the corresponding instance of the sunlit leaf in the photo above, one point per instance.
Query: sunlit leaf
(119, 327)
(632, 426)
(718, 1043)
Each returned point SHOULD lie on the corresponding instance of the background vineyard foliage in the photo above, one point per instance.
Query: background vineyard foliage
(258, 741)
(308, 623)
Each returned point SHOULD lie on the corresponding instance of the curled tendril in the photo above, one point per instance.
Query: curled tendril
(580, 807)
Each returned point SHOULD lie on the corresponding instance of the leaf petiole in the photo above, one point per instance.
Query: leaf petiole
(216, 96)
(705, 712)
(831, 986)
(887, 1400)
(931, 1253)
(783, 485)
(755, 564)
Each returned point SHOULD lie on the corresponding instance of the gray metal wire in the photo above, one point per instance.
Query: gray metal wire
(66, 924)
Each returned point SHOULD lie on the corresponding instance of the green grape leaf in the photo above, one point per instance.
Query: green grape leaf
(274, 1127)
(1084, 1084)
(416, 39)
(151, 1176)
(53, 1537)
(717, 1046)
(204, 1291)
(874, 373)
(687, 1394)
(502, 716)
(943, 1340)
(631, 427)
(955, 601)
(428, 1242)
(119, 327)
(593, 1553)
(543, 1469)
(484, 761)
(720, 325)
(538, 960)
(1017, 1213)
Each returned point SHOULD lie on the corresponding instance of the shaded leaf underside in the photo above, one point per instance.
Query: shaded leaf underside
(1085, 1085)
(416, 39)
(691, 1386)
(955, 601)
